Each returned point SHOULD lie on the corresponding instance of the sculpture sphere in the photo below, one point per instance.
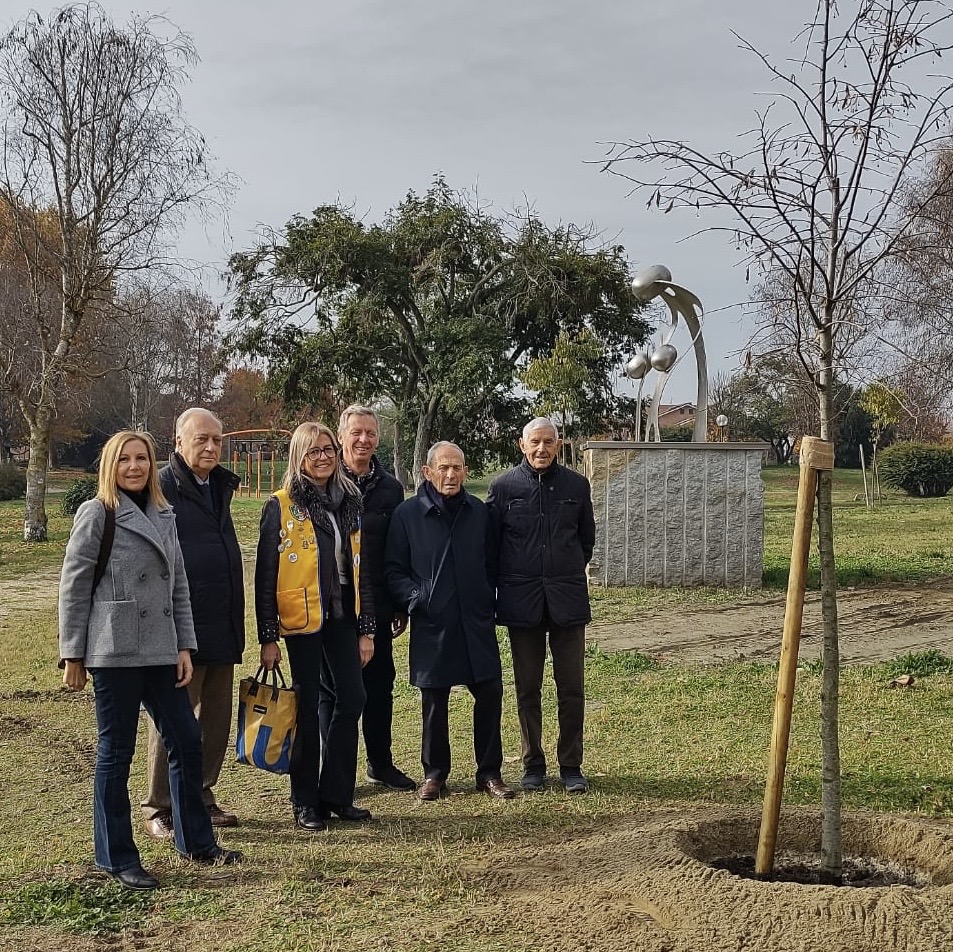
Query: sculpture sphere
(644, 284)
(637, 367)
(664, 358)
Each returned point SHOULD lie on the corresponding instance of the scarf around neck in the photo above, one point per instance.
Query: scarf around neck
(325, 503)
(450, 505)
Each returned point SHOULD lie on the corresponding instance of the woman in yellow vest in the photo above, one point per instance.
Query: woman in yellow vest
(309, 591)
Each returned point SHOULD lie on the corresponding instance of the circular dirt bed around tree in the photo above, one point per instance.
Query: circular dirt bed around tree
(878, 851)
(648, 882)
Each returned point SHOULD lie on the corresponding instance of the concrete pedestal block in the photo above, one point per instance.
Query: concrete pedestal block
(677, 514)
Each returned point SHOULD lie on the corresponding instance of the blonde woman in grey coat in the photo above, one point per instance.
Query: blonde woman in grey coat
(132, 631)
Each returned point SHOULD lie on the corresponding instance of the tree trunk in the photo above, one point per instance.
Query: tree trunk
(135, 402)
(400, 467)
(398, 455)
(424, 438)
(34, 510)
(832, 859)
(831, 845)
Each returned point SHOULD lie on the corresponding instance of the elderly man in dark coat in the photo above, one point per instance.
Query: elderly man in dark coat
(200, 491)
(542, 516)
(437, 567)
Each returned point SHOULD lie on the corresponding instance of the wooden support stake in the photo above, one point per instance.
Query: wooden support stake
(235, 460)
(815, 455)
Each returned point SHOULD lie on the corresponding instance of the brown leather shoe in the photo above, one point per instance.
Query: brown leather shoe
(496, 788)
(221, 817)
(432, 789)
(160, 826)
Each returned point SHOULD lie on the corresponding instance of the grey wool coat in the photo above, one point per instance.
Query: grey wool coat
(140, 613)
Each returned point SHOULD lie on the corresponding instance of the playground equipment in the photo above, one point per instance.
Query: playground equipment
(258, 457)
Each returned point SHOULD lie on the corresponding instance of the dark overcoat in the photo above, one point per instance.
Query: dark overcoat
(213, 560)
(440, 570)
(382, 494)
(546, 531)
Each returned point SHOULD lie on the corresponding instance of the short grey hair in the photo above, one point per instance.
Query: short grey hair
(356, 409)
(539, 423)
(439, 445)
(186, 415)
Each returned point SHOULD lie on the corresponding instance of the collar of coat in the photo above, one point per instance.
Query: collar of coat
(365, 481)
(150, 525)
(547, 473)
(186, 481)
(428, 505)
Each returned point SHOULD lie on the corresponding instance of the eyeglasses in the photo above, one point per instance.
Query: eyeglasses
(321, 451)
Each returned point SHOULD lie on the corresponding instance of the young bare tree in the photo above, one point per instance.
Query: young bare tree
(98, 165)
(817, 198)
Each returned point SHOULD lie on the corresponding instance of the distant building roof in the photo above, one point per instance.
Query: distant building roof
(676, 414)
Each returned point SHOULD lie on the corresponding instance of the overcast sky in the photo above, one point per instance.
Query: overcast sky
(310, 101)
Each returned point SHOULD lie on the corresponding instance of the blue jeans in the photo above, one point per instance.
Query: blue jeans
(119, 693)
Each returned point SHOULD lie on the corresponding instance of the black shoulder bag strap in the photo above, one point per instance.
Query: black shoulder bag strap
(443, 557)
(105, 546)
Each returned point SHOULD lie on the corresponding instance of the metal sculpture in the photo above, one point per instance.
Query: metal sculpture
(656, 282)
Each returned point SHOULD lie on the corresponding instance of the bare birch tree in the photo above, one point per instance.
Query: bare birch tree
(817, 199)
(98, 166)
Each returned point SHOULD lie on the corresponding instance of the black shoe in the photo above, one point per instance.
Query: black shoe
(308, 818)
(534, 780)
(574, 780)
(135, 878)
(346, 811)
(390, 777)
(217, 856)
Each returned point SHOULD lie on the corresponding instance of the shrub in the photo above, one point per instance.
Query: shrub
(921, 664)
(78, 492)
(12, 481)
(919, 469)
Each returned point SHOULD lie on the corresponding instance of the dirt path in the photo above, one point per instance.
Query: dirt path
(27, 594)
(875, 625)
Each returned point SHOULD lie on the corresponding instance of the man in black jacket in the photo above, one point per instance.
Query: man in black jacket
(440, 568)
(543, 521)
(359, 435)
(200, 491)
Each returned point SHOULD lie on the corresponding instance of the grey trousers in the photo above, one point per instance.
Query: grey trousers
(210, 694)
(567, 647)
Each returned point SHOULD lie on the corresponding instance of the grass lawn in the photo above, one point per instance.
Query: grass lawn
(657, 737)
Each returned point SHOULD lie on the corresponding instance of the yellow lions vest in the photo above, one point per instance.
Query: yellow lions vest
(299, 590)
